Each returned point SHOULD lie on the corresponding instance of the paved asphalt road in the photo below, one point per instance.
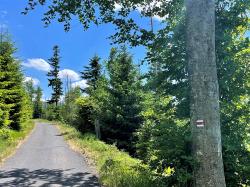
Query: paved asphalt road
(45, 159)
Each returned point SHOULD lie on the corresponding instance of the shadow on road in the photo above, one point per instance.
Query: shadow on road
(62, 134)
(46, 178)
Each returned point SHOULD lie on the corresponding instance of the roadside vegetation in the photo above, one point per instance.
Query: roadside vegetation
(115, 167)
(134, 113)
(9, 144)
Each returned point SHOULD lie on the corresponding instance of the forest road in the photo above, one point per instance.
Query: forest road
(46, 160)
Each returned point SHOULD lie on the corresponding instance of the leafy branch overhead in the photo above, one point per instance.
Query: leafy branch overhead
(103, 11)
(118, 13)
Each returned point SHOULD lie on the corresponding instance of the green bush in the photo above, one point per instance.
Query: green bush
(83, 121)
(4, 133)
(164, 142)
(52, 113)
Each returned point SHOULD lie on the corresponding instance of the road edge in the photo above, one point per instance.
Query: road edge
(90, 163)
(19, 144)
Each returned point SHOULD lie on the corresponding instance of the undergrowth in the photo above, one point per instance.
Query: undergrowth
(116, 168)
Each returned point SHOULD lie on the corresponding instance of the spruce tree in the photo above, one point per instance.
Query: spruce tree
(55, 82)
(91, 74)
(11, 87)
(123, 113)
(38, 104)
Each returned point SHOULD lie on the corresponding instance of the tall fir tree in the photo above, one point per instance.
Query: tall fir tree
(123, 112)
(92, 73)
(11, 86)
(55, 82)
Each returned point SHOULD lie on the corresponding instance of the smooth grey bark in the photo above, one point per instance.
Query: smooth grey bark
(204, 93)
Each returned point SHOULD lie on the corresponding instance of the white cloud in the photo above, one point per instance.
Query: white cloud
(82, 84)
(70, 74)
(151, 5)
(62, 98)
(44, 98)
(140, 8)
(117, 7)
(34, 80)
(37, 63)
(158, 18)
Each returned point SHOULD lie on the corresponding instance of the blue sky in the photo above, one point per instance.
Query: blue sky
(34, 42)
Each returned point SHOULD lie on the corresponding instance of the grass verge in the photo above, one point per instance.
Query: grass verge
(8, 144)
(115, 168)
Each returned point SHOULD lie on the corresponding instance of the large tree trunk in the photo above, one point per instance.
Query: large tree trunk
(204, 93)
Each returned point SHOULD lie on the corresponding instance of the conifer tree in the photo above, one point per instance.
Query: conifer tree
(11, 87)
(38, 104)
(92, 73)
(123, 113)
(27, 106)
(55, 82)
